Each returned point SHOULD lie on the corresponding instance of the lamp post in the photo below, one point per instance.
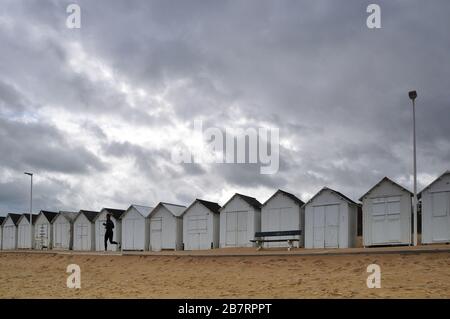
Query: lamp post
(31, 209)
(413, 96)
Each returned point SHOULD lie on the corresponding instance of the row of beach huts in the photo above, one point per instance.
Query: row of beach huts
(327, 220)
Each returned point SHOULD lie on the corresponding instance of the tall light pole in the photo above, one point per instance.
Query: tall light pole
(413, 96)
(31, 209)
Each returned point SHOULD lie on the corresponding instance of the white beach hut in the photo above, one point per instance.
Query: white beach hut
(282, 212)
(330, 220)
(84, 230)
(436, 210)
(387, 210)
(240, 218)
(166, 227)
(201, 222)
(43, 231)
(63, 230)
(135, 228)
(100, 219)
(9, 231)
(2, 219)
(24, 237)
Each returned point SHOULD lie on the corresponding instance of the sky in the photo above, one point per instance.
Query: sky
(96, 112)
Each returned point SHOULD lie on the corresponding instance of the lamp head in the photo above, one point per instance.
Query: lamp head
(412, 95)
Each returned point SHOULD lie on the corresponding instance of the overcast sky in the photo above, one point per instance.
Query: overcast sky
(95, 112)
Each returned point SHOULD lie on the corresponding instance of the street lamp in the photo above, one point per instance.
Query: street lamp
(413, 96)
(31, 209)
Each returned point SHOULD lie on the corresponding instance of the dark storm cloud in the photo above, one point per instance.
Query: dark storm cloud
(337, 90)
(43, 147)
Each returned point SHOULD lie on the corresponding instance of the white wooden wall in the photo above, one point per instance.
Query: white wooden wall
(389, 235)
(62, 233)
(42, 233)
(436, 212)
(24, 240)
(135, 231)
(346, 221)
(282, 213)
(83, 234)
(166, 230)
(9, 235)
(253, 222)
(195, 238)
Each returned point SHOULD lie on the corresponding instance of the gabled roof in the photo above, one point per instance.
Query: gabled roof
(90, 215)
(214, 207)
(291, 196)
(211, 206)
(50, 216)
(70, 216)
(2, 219)
(429, 185)
(27, 216)
(116, 213)
(249, 200)
(347, 199)
(143, 210)
(176, 210)
(14, 217)
(385, 179)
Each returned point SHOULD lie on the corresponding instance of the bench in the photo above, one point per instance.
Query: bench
(260, 237)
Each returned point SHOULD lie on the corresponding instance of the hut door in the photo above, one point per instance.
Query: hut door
(128, 233)
(156, 233)
(332, 226)
(231, 228)
(242, 228)
(386, 220)
(42, 236)
(440, 218)
(83, 236)
(62, 235)
(197, 232)
(24, 235)
(236, 229)
(57, 234)
(318, 226)
(9, 237)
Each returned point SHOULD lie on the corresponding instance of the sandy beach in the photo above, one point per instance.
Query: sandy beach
(36, 275)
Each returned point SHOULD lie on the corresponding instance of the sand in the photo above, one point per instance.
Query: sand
(24, 275)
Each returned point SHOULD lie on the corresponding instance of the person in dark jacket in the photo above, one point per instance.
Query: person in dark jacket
(109, 226)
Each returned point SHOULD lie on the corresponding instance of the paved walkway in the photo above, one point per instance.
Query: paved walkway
(252, 252)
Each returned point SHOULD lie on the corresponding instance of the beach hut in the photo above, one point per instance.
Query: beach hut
(436, 210)
(100, 219)
(282, 212)
(240, 218)
(201, 222)
(84, 230)
(2, 219)
(330, 220)
(135, 228)
(43, 231)
(387, 210)
(9, 231)
(24, 237)
(63, 230)
(166, 227)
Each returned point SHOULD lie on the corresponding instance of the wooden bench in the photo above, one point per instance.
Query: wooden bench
(260, 237)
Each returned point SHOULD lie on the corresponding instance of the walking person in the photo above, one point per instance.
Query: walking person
(109, 233)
